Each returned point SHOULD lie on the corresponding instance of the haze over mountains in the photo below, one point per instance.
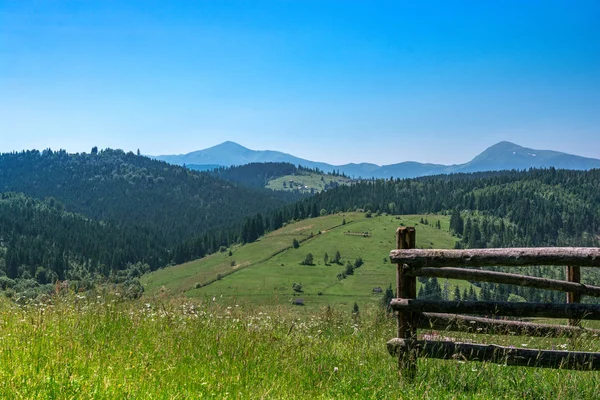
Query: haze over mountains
(501, 156)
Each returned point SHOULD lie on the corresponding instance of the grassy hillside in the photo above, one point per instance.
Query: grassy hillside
(307, 182)
(264, 272)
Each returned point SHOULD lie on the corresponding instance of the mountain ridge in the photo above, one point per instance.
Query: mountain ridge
(500, 156)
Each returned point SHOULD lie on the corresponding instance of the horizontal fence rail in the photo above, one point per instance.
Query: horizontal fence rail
(464, 323)
(510, 309)
(509, 257)
(506, 278)
(577, 360)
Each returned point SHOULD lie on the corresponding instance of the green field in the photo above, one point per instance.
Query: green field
(96, 346)
(306, 182)
(260, 277)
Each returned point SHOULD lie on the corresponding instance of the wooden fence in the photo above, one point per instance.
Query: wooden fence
(416, 313)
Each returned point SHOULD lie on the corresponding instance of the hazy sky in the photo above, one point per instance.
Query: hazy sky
(333, 81)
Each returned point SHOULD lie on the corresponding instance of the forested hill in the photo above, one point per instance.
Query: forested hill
(170, 203)
(133, 190)
(532, 208)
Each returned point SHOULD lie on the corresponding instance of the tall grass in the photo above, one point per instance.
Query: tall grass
(101, 347)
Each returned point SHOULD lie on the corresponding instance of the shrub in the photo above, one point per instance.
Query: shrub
(6, 282)
(297, 287)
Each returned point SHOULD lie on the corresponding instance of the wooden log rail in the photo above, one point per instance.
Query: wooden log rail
(512, 309)
(481, 325)
(506, 278)
(510, 257)
(576, 360)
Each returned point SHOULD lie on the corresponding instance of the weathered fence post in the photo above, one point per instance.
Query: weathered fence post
(574, 275)
(406, 288)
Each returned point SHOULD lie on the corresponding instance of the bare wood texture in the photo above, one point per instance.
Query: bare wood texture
(574, 275)
(546, 310)
(497, 354)
(509, 279)
(580, 256)
(464, 323)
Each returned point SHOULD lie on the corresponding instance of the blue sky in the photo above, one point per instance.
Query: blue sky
(333, 81)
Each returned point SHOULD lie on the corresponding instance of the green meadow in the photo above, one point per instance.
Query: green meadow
(265, 271)
(96, 346)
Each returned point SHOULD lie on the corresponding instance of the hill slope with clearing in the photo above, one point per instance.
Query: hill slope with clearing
(265, 271)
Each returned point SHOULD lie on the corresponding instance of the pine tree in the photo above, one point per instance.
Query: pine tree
(457, 296)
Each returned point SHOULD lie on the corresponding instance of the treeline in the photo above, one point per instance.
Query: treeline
(250, 229)
(529, 208)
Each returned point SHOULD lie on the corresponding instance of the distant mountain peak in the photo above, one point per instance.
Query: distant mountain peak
(504, 145)
(229, 145)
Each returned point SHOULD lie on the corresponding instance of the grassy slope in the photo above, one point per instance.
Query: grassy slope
(310, 179)
(270, 281)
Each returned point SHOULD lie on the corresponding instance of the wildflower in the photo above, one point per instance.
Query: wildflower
(335, 369)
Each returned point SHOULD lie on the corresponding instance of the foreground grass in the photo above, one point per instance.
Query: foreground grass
(102, 348)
